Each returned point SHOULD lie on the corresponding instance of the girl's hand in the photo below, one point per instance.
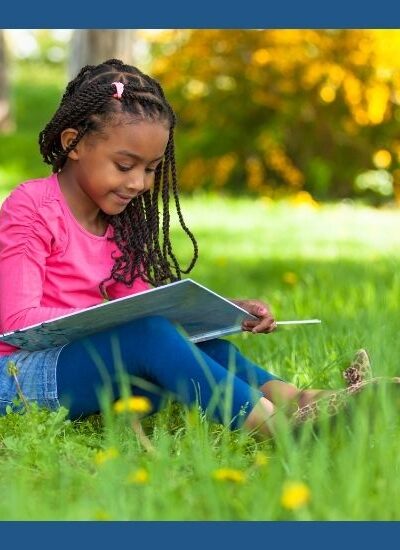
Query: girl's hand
(266, 322)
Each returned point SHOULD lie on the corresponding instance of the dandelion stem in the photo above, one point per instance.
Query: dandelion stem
(13, 371)
(142, 437)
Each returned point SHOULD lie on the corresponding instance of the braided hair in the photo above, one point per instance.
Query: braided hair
(87, 105)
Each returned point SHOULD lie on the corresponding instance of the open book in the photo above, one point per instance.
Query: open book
(202, 313)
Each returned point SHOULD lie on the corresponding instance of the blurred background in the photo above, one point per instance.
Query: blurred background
(309, 115)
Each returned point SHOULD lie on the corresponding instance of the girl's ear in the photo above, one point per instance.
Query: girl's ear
(67, 136)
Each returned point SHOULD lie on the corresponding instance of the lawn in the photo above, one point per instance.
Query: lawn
(335, 262)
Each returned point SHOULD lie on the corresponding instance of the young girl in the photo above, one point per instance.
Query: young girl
(90, 232)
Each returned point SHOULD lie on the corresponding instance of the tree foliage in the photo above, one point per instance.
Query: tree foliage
(278, 111)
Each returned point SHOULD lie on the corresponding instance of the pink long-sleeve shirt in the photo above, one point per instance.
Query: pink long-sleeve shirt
(49, 264)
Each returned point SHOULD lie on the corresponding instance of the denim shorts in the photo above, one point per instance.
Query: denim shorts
(36, 375)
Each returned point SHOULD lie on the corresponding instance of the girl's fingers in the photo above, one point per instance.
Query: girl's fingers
(248, 326)
(265, 328)
(265, 325)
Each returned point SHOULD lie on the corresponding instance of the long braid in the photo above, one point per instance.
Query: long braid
(178, 206)
(167, 247)
(87, 105)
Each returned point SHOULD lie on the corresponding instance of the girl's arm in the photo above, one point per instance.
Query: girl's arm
(33, 316)
(25, 243)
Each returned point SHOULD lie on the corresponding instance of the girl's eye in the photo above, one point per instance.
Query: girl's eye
(123, 168)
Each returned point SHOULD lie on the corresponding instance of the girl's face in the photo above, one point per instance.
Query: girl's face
(108, 170)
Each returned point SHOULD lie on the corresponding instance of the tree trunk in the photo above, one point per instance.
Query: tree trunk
(92, 46)
(6, 123)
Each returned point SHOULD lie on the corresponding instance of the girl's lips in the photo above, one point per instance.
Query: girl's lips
(124, 199)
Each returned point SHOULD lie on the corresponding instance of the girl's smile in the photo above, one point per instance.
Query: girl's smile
(124, 199)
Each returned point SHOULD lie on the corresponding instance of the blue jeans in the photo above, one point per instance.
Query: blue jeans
(36, 375)
(160, 362)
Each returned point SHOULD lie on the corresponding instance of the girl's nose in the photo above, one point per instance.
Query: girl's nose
(137, 181)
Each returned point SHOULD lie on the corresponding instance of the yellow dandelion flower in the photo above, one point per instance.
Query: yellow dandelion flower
(260, 459)
(229, 474)
(290, 278)
(295, 494)
(138, 477)
(119, 406)
(136, 404)
(104, 456)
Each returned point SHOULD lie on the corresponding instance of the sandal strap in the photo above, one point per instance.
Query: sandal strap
(359, 369)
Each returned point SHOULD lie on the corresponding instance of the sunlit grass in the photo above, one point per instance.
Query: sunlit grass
(343, 262)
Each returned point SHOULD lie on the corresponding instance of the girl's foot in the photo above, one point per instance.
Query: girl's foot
(330, 403)
(326, 406)
(358, 371)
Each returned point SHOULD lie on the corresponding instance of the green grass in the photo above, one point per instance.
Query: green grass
(346, 259)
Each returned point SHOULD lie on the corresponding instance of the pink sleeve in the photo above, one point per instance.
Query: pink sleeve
(25, 243)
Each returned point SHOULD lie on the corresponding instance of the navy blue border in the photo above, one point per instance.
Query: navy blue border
(200, 14)
(198, 535)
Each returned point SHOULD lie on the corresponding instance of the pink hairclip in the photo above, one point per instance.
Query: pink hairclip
(120, 89)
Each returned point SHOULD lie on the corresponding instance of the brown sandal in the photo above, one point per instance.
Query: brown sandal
(331, 405)
(359, 369)
(358, 372)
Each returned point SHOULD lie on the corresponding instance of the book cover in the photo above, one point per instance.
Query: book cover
(202, 313)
